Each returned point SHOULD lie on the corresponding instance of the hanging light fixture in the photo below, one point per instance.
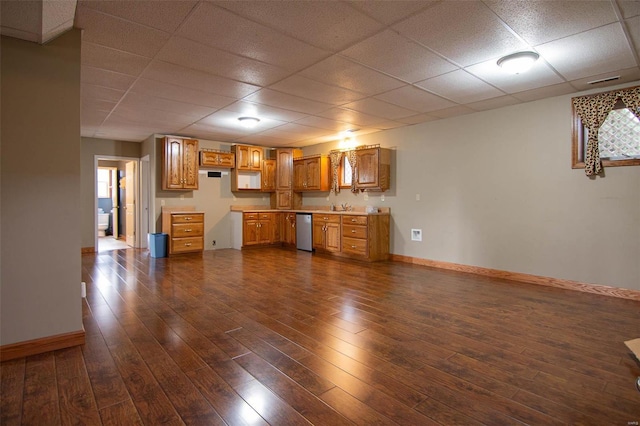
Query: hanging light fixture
(249, 122)
(519, 62)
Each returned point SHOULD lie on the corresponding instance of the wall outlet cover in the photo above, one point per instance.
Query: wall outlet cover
(416, 235)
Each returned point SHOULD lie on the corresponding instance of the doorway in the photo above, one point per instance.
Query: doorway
(117, 194)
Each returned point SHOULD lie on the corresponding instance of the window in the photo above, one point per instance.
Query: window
(345, 172)
(618, 138)
(104, 183)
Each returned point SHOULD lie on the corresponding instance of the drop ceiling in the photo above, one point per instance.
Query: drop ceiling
(313, 69)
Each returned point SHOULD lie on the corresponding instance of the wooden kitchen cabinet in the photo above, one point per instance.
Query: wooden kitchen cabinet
(180, 164)
(288, 229)
(311, 174)
(248, 158)
(260, 229)
(365, 237)
(284, 198)
(374, 169)
(218, 159)
(185, 230)
(269, 171)
(326, 232)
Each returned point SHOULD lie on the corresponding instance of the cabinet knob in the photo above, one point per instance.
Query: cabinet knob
(187, 230)
(187, 244)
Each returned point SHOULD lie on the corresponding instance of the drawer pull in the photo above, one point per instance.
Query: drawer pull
(353, 247)
(188, 218)
(325, 218)
(353, 231)
(187, 244)
(188, 230)
(353, 220)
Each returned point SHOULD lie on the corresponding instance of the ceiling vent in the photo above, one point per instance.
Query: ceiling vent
(604, 80)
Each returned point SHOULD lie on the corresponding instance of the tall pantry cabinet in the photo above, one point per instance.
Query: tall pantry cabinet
(284, 198)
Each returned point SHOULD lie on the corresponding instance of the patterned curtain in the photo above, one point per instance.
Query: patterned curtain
(593, 110)
(353, 162)
(631, 98)
(334, 157)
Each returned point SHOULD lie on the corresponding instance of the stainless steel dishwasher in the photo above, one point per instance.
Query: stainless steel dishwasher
(304, 232)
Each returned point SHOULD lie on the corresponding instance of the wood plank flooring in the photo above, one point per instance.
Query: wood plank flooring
(283, 337)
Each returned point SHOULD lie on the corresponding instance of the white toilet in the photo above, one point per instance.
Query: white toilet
(103, 222)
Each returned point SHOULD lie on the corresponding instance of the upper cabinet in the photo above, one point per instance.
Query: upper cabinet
(374, 169)
(311, 174)
(220, 159)
(285, 167)
(248, 158)
(268, 175)
(180, 164)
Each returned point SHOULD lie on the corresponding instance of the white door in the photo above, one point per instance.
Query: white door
(130, 203)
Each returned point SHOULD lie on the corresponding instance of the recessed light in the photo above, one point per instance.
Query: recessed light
(517, 63)
(249, 122)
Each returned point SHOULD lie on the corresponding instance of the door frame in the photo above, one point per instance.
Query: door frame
(139, 241)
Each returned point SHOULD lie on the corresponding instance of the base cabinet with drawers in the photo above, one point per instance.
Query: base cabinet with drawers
(260, 229)
(326, 232)
(366, 237)
(185, 231)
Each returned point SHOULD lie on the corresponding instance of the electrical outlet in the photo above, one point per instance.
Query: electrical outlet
(366, 196)
(213, 243)
(382, 198)
(417, 197)
(416, 235)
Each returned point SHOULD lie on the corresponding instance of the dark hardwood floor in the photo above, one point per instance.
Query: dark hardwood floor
(281, 337)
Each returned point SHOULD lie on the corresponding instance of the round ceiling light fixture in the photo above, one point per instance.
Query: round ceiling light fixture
(517, 63)
(249, 122)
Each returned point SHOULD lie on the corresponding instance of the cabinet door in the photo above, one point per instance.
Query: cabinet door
(190, 164)
(312, 174)
(284, 169)
(250, 232)
(243, 157)
(226, 159)
(255, 158)
(368, 161)
(299, 175)
(283, 200)
(268, 175)
(332, 237)
(318, 235)
(172, 164)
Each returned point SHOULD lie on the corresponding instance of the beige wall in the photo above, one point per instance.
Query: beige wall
(91, 148)
(497, 191)
(40, 166)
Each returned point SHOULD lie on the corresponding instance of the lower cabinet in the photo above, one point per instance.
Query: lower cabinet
(260, 229)
(288, 229)
(366, 237)
(185, 231)
(326, 232)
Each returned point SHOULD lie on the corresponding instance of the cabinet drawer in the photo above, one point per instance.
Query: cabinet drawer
(266, 216)
(354, 220)
(354, 245)
(187, 230)
(354, 231)
(329, 218)
(183, 245)
(250, 216)
(187, 218)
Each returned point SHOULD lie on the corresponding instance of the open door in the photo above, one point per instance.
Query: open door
(130, 203)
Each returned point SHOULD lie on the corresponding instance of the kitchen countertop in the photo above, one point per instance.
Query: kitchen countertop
(358, 210)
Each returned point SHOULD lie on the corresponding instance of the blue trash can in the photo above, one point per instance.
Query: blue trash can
(157, 244)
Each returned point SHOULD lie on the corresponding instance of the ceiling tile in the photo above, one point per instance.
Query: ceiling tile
(213, 133)
(311, 89)
(93, 118)
(251, 109)
(633, 27)
(101, 93)
(466, 32)
(539, 75)
(544, 92)
(415, 99)
(324, 123)
(592, 52)
(627, 75)
(342, 72)
(461, 87)
(265, 140)
(224, 30)
(162, 15)
(197, 80)
(380, 108)
(452, 112)
(89, 103)
(540, 22)
(119, 34)
(349, 116)
(147, 103)
(417, 119)
(629, 8)
(493, 103)
(292, 132)
(329, 25)
(389, 53)
(105, 78)
(181, 94)
(111, 59)
(198, 56)
(389, 12)
(286, 101)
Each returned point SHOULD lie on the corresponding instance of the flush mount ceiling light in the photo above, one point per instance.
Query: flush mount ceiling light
(517, 63)
(249, 122)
